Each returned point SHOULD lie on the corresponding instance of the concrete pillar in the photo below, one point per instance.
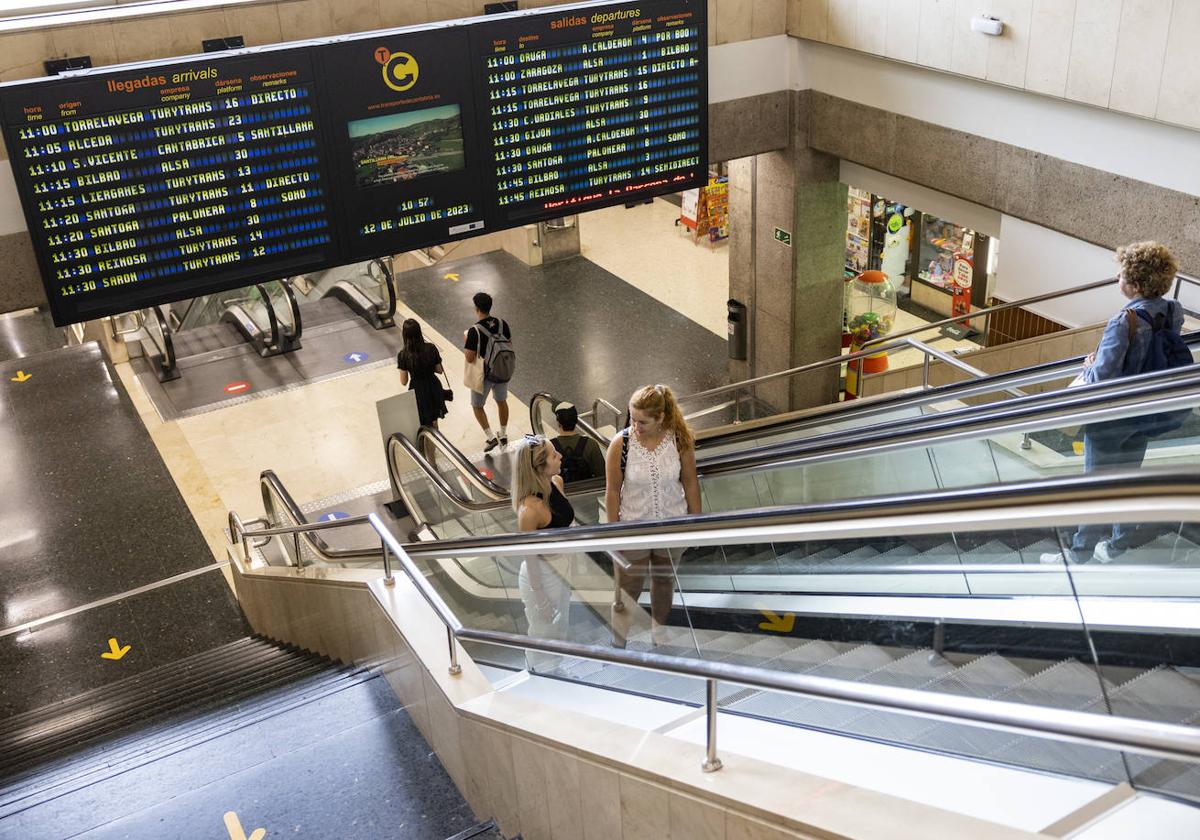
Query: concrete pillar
(794, 292)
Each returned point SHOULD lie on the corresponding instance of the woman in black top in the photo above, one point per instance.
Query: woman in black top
(419, 364)
(537, 494)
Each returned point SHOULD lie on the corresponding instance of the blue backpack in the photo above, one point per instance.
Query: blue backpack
(1167, 347)
(1167, 350)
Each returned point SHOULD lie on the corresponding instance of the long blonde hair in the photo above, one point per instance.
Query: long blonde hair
(528, 457)
(660, 402)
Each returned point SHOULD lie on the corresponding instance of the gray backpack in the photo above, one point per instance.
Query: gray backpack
(500, 362)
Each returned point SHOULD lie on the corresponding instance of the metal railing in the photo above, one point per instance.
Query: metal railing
(1174, 493)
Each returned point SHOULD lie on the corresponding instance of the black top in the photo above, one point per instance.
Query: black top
(423, 364)
(562, 514)
(477, 340)
(423, 378)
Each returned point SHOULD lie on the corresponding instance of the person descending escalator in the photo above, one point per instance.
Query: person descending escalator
(420, 363)
(537, 496)
(582, 457)
(1143, 336)
(651, 474)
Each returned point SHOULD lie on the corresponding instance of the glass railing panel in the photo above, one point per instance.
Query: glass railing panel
(1142, 605)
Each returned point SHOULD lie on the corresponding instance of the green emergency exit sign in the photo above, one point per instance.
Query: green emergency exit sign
(783, 236)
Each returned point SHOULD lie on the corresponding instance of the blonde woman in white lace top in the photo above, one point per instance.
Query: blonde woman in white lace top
(656, 481)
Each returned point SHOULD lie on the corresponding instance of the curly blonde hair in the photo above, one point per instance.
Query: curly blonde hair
(1149, 267)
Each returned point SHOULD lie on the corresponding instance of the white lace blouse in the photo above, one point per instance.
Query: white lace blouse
(652, 489)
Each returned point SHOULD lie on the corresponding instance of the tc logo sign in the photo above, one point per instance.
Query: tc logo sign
(400, 70)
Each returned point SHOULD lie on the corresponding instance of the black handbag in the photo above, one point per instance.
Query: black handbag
(447, 394)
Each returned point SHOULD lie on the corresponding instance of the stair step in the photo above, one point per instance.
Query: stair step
(215, 678)
(143, 746)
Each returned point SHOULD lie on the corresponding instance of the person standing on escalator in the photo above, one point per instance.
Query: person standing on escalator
(1133, 342)
(651, 474)
(537, 495)
(420, 363)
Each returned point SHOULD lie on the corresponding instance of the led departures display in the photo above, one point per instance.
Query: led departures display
(144, 184)
(157, 183)
(594, 105)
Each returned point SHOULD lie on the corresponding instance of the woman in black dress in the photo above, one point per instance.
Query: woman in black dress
(419, 364)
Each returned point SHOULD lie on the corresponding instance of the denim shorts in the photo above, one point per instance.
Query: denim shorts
(498, 390)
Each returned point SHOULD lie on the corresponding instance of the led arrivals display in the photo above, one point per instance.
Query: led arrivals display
(145, 184)
(594, 106)
(156, 183)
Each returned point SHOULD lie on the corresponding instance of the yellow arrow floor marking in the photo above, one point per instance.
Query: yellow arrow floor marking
(776, 623)
(115, 651)
(22, 376)
(451, 276)
(234, 826)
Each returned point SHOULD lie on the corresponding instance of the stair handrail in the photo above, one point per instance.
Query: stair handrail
(272, 318)
(582, 425)
(1163, 740)
(167, 350)
(875, 346)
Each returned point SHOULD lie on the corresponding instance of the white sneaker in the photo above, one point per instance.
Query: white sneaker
(1057, 558)
(1103, 552)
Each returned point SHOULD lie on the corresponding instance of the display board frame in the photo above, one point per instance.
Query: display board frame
(605, 24)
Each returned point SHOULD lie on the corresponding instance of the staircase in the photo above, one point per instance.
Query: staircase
(286, 740)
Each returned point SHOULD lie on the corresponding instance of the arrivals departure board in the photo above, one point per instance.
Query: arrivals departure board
(158, 183)
(144, 184)
(591, 106)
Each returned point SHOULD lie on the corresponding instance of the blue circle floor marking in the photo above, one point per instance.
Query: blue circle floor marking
(355, 358)
(332, 515)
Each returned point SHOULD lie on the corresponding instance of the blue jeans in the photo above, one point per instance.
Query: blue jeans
(1113, 445)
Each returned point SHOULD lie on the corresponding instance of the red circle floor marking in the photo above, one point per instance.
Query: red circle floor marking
(241, 386)
(488, 474)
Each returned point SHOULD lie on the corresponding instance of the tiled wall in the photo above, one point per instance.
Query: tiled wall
(161, 35)
(1135, 56)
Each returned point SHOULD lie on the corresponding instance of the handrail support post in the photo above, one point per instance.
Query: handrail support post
(296, 548)
(388, 578)
(455, 669)
(711, 762)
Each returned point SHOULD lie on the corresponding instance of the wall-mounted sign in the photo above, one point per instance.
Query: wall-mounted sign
(783, 236)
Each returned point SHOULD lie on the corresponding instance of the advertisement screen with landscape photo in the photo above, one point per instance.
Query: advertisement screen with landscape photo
(401, 147)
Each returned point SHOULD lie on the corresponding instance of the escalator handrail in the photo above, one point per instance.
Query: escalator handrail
(1116, 486)
(1107, 731)
(535, 420)
(388, 310)
(168, 348)
(294, 306)
(1097, 402)
(272, 318)
(1090, 403)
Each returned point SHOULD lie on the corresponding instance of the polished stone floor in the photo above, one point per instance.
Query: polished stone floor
(579, 331)
(89, 510)
(28, 333)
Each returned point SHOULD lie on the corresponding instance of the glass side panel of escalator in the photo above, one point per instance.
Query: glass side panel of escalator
(1029, 648)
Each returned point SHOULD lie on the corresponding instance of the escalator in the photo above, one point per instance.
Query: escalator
(264, 317)
(1117, 639)
(363, 292)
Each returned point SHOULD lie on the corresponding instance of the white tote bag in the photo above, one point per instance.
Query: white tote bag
(473, 373)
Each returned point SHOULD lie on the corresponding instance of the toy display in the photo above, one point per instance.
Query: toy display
(870, 314)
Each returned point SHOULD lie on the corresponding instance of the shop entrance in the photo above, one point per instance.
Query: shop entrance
(939, 269)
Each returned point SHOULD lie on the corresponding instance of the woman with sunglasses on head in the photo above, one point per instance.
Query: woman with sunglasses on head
(651, 474)
(537, 497)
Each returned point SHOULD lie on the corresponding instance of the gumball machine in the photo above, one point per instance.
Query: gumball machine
(870, 314)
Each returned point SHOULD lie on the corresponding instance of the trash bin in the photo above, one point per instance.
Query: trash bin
(737, 329)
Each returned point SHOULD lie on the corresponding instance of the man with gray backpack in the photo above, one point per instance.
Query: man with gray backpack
(489, 345)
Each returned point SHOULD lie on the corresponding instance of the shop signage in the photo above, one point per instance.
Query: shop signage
(783, 236)
(964, 270)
